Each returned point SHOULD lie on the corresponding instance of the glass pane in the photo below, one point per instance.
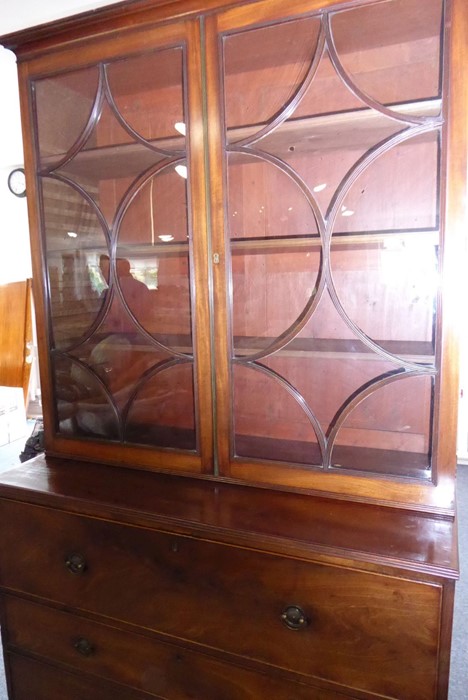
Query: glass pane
(262, 280)
(148, 93)
(153, 248)
(255, 210)
(389, 431)
(74, 237)
(384, 251)
(391, 50)
(106, 172)
(397, 192)
(119, 356)
(158, 211)
(64, 105)
(259, 78)
(276, 251)
(140, 123)
(162, 413)
(388, 288)
(117, 234)
(268, 422)
(322, 151)
(333, 231)
(84, 407)
(327, 94)
(309, 372)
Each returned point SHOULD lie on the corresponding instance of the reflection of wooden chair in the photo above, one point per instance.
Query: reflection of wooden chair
(117, 361)
(16, 337)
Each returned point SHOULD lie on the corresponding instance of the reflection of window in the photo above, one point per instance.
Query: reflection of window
(98, 282)
(145, 270)
(142, 269)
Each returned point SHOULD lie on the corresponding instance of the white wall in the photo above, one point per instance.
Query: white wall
(27, 13)
(15, 259)
(15, 262)
(14, 236)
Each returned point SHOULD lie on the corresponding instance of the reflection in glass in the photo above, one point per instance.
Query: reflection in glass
(117, 237)
(84, 407)
(153, 250)
(74, 235)
(119, 355)
(64, 106)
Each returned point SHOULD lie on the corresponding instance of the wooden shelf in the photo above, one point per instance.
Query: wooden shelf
(325, 132)
(276, 244)
(340, 348)
(359, 459)
(337, 131)
(111, 162)
(311, 241)
(332, 348)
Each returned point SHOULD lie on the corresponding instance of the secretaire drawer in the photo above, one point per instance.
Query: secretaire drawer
(362, 630)
(138, 661)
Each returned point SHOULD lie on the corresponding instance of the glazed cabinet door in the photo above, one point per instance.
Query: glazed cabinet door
(118, 155)
(331, 145)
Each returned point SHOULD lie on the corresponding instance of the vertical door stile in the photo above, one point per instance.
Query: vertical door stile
(201, 273)
(220, 269)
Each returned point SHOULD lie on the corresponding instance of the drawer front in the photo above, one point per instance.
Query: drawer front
(140, 662)
(362, 630)
(32, 680)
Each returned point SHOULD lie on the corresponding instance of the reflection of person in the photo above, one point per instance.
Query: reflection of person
(128, 283)
(104, 266)
(136, 294)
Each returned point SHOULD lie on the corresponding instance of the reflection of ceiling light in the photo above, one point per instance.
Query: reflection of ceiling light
(180, 127)
(345, 211)
(166, 237)
(320, 188)
(72, 234)
(181, 170)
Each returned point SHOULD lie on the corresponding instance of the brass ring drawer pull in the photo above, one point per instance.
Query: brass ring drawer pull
(84, 647)
(76, 563)
(294, 618)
